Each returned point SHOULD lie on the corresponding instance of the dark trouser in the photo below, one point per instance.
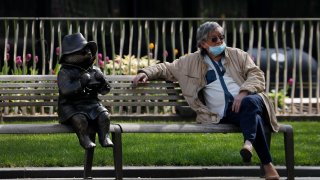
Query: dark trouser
(251, 119)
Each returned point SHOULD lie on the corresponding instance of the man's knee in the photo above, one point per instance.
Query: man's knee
(248, 100)
(252, 101)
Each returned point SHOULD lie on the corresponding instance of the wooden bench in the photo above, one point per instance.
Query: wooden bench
(155, 100)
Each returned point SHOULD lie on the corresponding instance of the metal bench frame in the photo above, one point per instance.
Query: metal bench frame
(126, 102)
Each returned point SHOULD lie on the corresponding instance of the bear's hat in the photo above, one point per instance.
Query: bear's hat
(75, 42)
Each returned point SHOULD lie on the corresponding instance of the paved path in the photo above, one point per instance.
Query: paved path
(195, 178)
(157, 172)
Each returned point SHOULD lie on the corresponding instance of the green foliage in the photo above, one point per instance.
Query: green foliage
(18, 71)
(56, 69)
(281, 95)
(33, 71)
(5, 70)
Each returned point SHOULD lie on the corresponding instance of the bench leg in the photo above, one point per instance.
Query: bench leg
(88, 159)
(289, 151)
(88, 163)
(117, 152)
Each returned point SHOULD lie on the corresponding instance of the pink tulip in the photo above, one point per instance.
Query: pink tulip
(36, 59)
(107, 59)
(101, 63)
(290, 81)
(28, 57)
(99, 56)
(57, 51)
(19, 61)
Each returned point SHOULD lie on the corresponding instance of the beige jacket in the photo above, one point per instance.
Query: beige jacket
(190, 71)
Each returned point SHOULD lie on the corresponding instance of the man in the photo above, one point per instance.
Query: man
(223, 85)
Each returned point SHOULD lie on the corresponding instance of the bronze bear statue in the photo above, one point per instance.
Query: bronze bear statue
(79, 83)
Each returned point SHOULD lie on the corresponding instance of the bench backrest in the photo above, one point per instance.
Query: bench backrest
(38, 94)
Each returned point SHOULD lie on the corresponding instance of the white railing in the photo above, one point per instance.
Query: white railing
(286, 49)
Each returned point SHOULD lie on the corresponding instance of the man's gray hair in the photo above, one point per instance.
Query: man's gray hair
(203, 31)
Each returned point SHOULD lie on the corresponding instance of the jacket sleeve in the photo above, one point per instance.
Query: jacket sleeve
(253, 75)
(167, 71)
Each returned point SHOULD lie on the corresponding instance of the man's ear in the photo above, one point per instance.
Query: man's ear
(204, 45)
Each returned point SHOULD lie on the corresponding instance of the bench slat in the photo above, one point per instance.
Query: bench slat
(108, 97)
(160, 84)
(145, 91)
(28, 85)
(10, 104)
(34, 129)
(28, 97)
(135, 97)
(55, 103)
(28, 91)
(39, 128)
(145, 103)
(178, 128)
(6, 78)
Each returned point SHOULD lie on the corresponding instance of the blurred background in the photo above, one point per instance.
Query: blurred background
(282, 36)
(160, 8)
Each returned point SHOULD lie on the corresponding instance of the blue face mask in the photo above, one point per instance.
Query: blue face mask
(217, 50)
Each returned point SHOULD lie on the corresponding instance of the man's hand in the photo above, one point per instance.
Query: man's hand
(141, 77)
(237, 101)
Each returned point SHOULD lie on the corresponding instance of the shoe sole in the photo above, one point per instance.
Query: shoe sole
(246, 155)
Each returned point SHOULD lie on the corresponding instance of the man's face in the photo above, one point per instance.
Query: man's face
(215, 38)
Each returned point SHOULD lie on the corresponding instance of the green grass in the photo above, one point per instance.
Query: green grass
(155, 149)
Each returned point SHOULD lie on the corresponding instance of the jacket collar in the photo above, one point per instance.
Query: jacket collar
(226, 55)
